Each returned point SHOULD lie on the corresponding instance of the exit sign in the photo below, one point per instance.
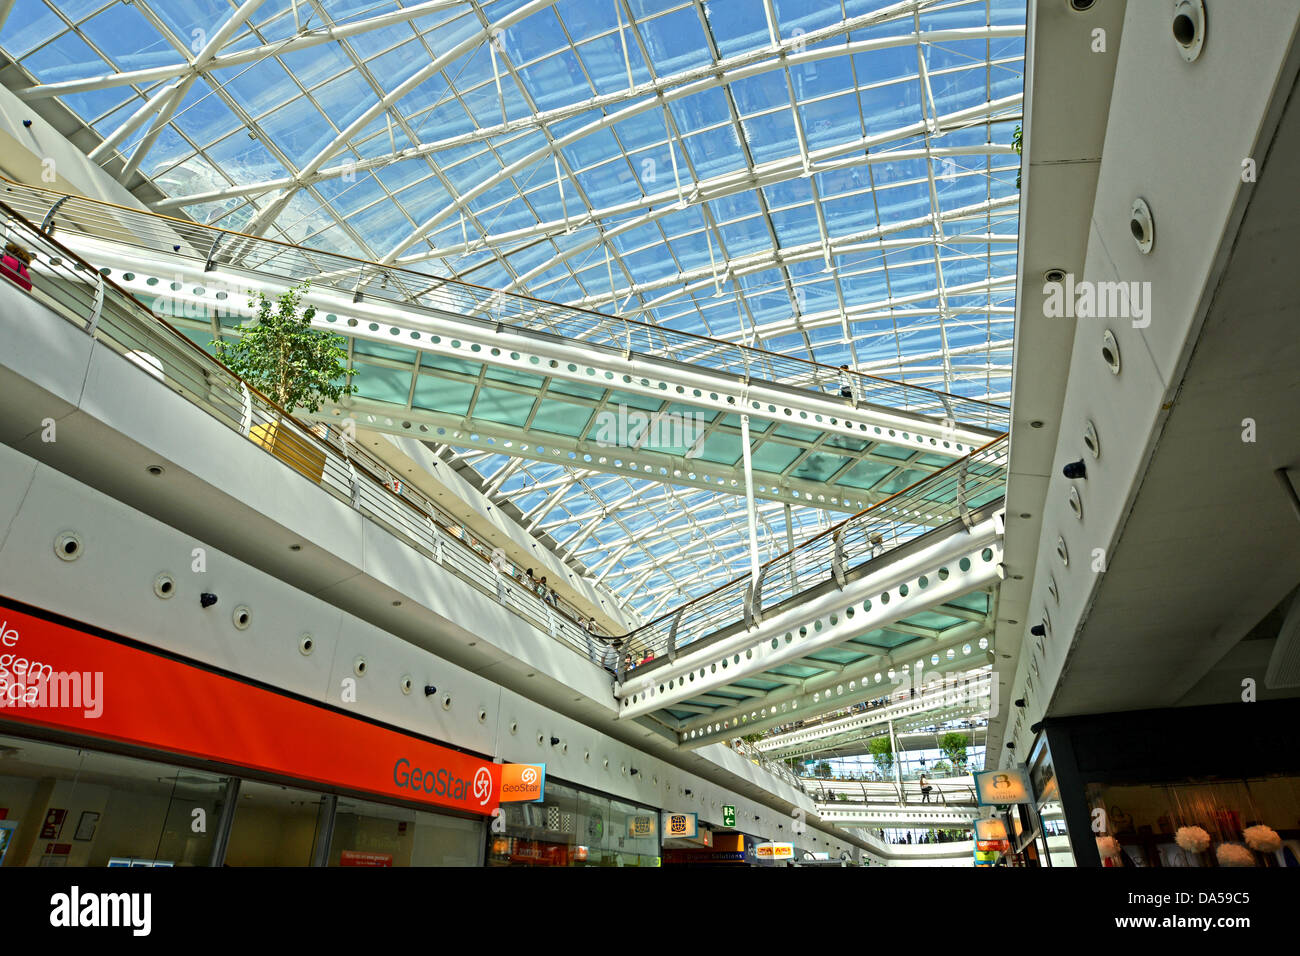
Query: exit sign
(728, 816)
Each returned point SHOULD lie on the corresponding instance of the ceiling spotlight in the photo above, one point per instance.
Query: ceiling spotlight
(1036, 727)
(556, 740)
(1075, 469)
(1020, 702)
(1038, 630)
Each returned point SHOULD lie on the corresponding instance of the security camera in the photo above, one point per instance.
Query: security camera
(1038, 630)
(207, 599)
(430, 690)
(1075, 469)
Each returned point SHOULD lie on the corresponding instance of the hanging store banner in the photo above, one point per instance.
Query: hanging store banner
(990, 829)
(523, 782)
(774, 851)
(1000, 788)
(62, 677)
(679, 826)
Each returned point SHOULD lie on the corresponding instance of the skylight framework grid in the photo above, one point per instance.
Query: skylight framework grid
(831, 180)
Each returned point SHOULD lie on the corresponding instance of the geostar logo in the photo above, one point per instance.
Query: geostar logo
(522, 782)
(482, 785)
(443, 783)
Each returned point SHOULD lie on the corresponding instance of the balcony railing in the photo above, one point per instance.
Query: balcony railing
(76, 291)
(955, 493)
(414, 288)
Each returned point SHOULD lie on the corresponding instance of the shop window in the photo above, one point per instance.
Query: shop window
(1240, 822)
(372, 834)
(275, 826)
(61, 806)
(574, 828)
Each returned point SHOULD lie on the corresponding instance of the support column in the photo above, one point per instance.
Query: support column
(230, 802)
(320, 854)
(789, 546)
(749, 501)
(898, 764)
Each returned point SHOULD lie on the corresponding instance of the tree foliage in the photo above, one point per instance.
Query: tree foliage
(882, 752)
(954, 746)
(282, 356)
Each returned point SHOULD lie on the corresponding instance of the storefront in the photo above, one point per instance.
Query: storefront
(1185, 787)
(575, 827)
(112, 754)
(69, 806)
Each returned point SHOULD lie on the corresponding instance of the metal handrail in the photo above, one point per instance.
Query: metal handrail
(215, 246)
(117, 318)
(969, 483)
(78, 292)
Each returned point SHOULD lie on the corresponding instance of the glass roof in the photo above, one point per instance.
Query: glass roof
(828, 179)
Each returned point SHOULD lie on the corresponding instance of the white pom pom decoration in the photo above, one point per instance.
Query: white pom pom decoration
(1262, 838)
(1192, 839)
(1234, 854)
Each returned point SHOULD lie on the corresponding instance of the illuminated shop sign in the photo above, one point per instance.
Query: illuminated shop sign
(774, 851)
(1000, 788)
(680, 826)
(179, 708)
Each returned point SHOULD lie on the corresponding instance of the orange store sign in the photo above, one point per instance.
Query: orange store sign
(177, 707)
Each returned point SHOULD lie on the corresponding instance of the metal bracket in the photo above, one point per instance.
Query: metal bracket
(672, 633)
(837, 558)
(355, 490)
(356, 291)
(211, 262)
(754, 600)
(49, 216)
(98, 306)
(963, 508)
(245, 410)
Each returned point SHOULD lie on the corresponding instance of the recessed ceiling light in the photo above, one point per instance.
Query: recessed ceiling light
(155, 470)
(295, 547)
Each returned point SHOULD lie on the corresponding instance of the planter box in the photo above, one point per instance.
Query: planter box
(300, 454)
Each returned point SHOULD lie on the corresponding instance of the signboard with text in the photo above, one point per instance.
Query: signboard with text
(1000, 788)
(774, 851)
(990, 829)
(177, 707)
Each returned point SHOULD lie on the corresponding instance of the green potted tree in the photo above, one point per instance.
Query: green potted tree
(954, 746)
(297, 366)
(882, 752)
(823, 770)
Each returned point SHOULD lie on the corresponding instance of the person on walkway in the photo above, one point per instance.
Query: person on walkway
(14, 266)
(846, 384)
(925, 789)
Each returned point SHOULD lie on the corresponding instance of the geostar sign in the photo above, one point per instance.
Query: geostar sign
(178, 707)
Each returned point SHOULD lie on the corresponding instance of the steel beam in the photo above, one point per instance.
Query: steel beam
(955, 563)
